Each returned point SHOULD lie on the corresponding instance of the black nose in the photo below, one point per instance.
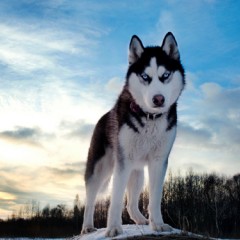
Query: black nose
(158, 100)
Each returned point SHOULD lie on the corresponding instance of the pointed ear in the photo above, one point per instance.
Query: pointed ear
(136, 49)
(169, 46)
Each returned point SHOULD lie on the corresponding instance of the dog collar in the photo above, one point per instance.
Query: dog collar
(136, 109)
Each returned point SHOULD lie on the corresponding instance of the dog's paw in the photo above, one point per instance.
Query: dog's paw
(161, 227)
(141, 220)
(88, 229)
(137, 217)
(114, 231)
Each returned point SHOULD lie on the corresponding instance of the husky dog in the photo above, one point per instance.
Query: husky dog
(139, 130)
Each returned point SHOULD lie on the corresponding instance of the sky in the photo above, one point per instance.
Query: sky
(63, 65)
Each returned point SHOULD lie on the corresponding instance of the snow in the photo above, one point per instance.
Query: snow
(134, 231)
(25, 238)
(128, 231)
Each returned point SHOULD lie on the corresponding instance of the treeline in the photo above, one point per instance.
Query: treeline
(49, 222)
(207, 204)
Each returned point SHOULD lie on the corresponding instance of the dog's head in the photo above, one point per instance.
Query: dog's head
(155, 77)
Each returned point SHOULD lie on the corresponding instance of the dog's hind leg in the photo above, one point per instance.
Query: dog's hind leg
(134, 188)
(94, 185)
(91, 192)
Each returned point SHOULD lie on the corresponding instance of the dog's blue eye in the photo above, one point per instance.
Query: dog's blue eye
(165, 76)
(145, 77)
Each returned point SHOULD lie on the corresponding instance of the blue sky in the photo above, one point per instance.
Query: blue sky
(63, 65)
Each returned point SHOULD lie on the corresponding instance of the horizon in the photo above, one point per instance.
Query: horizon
(63, 65)
(33, 208)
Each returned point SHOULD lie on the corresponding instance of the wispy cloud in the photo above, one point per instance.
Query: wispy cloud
(27, 48)
(24, 133)
(79, 129)
(62, 179)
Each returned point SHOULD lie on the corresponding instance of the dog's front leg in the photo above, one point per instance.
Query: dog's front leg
(157, 170)
(120, 178)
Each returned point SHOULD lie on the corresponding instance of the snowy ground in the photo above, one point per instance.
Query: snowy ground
(128, 231)
(33, 238)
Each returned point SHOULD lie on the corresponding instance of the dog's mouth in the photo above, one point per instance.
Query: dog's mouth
(135, 108)
(159, 107)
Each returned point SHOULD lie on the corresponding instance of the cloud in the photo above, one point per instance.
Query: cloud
(208, 129)
(12, 185)
(211, 89)
(51, 185)
(79, 129)
(221, 100)
(166, 22)
(195, 138)
(56, 46)
(114, 85)
(27, 48)
(65, 172)
(25, 135)
(20, 133)
(220, 114)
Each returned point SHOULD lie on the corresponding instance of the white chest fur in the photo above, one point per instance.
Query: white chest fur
(152, 141)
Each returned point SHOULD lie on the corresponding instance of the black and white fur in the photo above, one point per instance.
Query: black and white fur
(139, 130)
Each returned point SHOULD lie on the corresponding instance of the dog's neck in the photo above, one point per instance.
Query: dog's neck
(135, 108)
